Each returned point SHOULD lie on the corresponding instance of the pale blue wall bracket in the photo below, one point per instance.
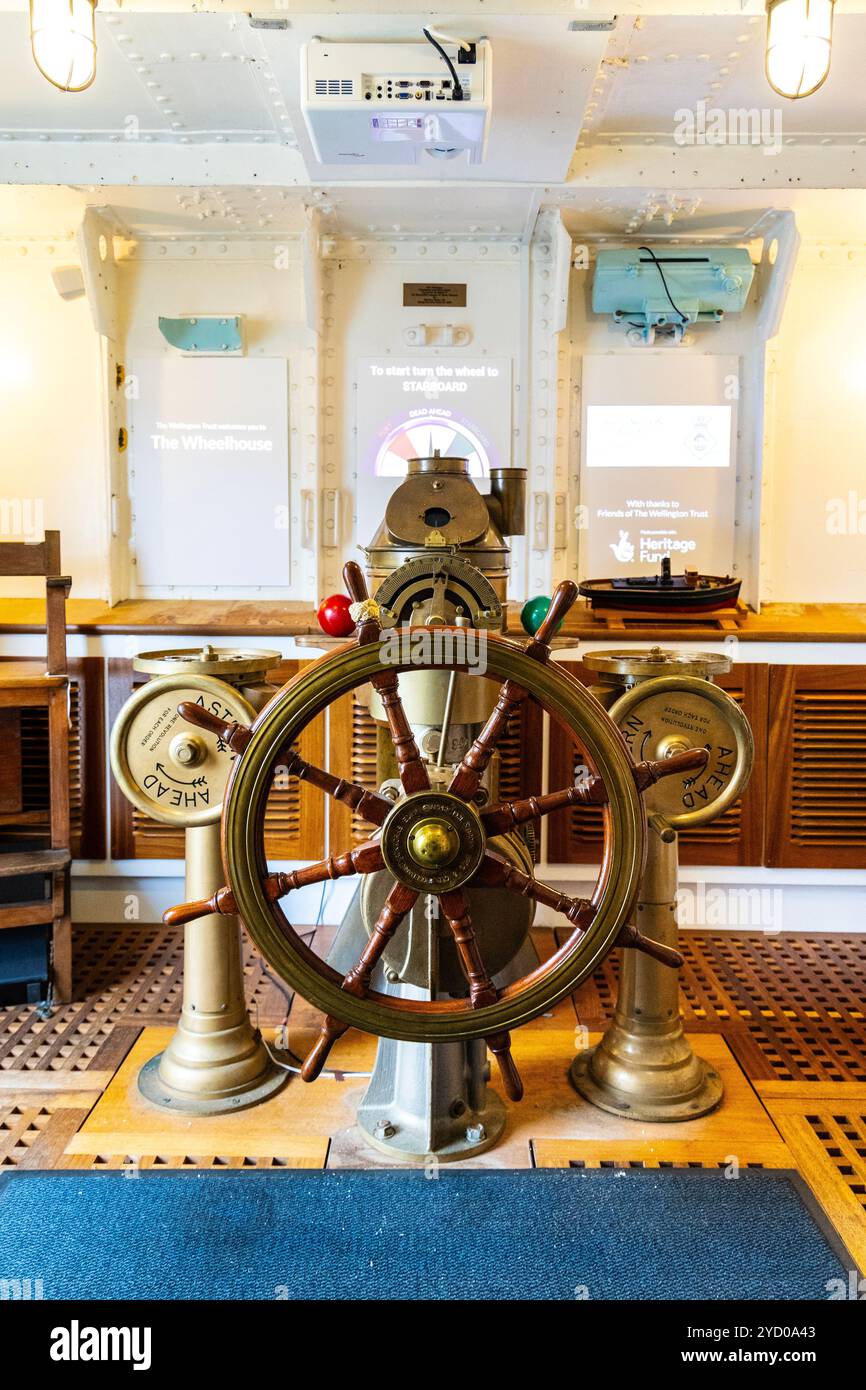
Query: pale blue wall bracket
(640, 292)
(208, 333)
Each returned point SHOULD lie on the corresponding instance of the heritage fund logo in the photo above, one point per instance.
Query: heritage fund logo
(77, 1343)
(739, 125)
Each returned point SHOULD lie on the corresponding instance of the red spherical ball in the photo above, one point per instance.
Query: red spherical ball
(334, 616)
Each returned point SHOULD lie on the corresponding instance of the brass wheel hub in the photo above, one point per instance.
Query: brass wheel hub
(433, 842)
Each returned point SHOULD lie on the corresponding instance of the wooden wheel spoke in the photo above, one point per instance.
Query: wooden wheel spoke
(399, 901)
(496, 872)
(509, 814)
(466, 779)
(455, 906)
(357, 982)
(370, 805)
(413, 773)
(482, 990)
(364, 859)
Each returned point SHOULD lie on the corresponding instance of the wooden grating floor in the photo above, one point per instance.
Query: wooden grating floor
(792, 1007)
(788, 1011)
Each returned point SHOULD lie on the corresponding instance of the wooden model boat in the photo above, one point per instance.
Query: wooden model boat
(686, 593)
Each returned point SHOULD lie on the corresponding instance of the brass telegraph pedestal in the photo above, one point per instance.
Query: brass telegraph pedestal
(216, 1061)
(663, 702)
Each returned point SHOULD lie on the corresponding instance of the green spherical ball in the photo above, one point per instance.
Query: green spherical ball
(533, 613)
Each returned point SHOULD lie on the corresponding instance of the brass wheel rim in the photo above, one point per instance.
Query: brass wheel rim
(740, 729)
(280, 723)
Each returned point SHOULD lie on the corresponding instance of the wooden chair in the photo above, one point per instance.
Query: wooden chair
(37, 817)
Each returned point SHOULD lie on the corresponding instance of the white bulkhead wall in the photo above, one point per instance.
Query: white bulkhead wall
(814, 505)
(364, 316)
(261, 280)
(62, 411)
(741, 338)
(51, 461)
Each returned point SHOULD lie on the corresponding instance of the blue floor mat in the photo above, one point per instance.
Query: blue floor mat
(551, 1233)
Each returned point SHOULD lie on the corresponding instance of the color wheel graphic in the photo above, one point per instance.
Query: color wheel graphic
(419, 436)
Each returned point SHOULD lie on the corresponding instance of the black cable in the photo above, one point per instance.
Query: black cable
(457, 91)
(657, 265)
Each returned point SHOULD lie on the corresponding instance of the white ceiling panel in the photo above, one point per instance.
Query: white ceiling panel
(660, 65)
(542, 73)
(208, 78)
(492, 213)
(833, 215)
(160, 77)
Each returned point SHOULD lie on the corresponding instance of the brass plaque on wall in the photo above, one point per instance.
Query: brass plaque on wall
(434, 295)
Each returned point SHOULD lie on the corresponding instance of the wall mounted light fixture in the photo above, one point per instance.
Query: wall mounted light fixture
(63, 42)
(799, 42)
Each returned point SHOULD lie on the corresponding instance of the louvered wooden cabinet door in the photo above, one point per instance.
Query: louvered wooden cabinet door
(353, 743)
(737, 837)
(86, 758)
(817, 767)
(294, 821)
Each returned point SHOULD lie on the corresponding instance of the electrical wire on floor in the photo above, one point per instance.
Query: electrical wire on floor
(294, 1065)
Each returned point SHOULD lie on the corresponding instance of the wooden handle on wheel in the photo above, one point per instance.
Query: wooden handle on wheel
(666, 955)
(564, 596)
(236, 735)
(500, 1046)
(330, 1031)
(353, 578)
(222, 902)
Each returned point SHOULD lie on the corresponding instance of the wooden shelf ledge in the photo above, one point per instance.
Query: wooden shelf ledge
(16, 863)
(777, 622)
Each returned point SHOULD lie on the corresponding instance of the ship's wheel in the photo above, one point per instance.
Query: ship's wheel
(431, 841)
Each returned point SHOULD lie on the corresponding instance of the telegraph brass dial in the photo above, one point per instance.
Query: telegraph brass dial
(237, 664)
(666, 714)
(169, 770)
(437, 589)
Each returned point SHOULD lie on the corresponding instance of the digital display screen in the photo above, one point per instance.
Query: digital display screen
(658, 476)
(658, 436)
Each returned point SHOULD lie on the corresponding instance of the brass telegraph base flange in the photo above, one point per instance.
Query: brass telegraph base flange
(661, 1080)
(154, 1089)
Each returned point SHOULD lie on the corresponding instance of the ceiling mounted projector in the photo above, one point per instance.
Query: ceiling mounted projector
(397, 103)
